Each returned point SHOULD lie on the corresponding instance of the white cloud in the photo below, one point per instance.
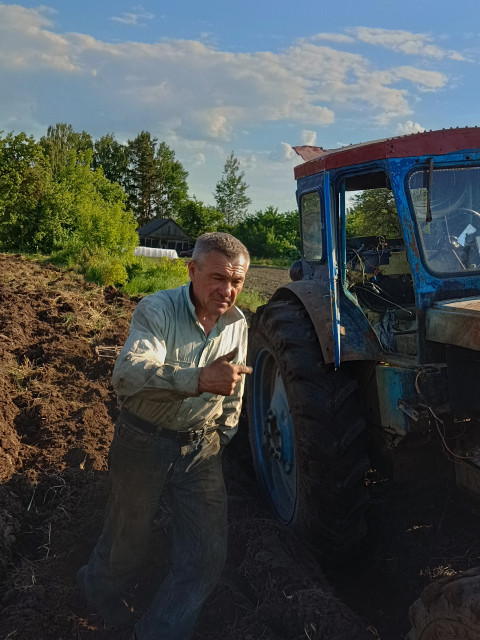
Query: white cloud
(418, 44)
(409, 127)
(308, 137)
(201, 100)
(46, 10)
(30, 19)
(333, 37)
(427, 80)
(26, 43)
(191, 87)
(284, 152)
(136, 19)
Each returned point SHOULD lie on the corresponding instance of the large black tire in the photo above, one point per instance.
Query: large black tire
(448, 610)
(306, 432)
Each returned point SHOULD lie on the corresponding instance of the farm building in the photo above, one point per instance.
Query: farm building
(164, 233)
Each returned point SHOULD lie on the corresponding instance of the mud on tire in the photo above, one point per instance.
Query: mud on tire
(306, 432)
(448, 610)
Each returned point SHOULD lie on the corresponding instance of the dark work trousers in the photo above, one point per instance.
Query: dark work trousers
(142, 466)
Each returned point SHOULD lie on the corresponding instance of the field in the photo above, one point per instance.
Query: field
(57, 411)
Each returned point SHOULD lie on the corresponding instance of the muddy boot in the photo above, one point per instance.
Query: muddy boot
(114, 611)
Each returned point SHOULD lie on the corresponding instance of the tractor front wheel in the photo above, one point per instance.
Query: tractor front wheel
(306, 432)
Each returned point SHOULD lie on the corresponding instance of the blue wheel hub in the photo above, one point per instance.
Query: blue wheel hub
(274, 436)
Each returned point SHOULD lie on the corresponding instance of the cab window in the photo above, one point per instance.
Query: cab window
(312, 226)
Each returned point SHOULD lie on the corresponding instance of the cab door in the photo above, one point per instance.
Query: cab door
(320, 249)
(332, 261)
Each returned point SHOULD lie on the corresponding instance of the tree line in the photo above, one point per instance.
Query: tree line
(74, 196)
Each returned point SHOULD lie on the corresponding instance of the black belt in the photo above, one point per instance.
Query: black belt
(183, 437)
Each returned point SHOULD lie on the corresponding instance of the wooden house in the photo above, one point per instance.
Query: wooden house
(165, 233)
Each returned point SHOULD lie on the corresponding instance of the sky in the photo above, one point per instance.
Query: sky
(255, 77)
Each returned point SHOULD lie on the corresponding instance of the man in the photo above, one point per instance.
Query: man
(179, 380)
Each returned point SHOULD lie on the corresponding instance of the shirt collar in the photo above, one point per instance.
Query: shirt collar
(229, 317)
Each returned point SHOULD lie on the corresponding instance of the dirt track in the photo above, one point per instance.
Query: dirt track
(57, 412)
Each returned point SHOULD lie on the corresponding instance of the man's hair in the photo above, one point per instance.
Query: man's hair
(221, 242)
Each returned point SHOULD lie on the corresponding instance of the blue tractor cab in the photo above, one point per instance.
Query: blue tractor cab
(371, 356)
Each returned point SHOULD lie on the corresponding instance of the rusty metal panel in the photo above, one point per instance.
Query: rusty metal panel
(418, 144)
(455, 322)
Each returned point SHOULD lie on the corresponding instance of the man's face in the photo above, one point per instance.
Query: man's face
(216, 282)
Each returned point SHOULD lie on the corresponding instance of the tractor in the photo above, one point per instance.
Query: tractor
(371, 355)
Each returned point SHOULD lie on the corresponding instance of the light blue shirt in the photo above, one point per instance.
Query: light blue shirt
(156, 373)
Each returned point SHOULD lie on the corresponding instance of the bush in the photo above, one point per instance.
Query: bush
(78, 210)
(147, 275)
(106, 272)
(270, 234)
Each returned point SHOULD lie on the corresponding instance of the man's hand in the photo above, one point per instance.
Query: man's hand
(220, 377)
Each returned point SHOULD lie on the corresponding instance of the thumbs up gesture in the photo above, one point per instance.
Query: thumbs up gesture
(220, 376)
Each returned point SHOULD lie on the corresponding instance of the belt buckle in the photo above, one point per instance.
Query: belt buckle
(199, 435)
(185, 438)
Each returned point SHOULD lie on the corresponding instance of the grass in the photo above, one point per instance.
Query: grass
(153, 274)
(279, 263)
(148, 275)
(156, 274)
(20, 375)
(69, 319)
(250, 300)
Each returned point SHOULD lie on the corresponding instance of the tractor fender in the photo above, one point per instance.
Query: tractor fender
(358, 341)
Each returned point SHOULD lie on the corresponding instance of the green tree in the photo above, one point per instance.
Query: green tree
(156, 183)
(270, 234)
(197, 218)
(172, 191)
(373, 213)
(142, 180)
(25, 182)
(80, 215)
(112, 156)
(100, 233)
(230, 192)
(60, 141)
(97, 210)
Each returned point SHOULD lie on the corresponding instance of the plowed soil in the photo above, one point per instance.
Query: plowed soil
(57, 411)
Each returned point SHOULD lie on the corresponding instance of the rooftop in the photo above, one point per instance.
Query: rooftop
(415, 144)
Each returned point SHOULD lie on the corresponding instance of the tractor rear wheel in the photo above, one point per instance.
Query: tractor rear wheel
(306, 432)
(448, 610)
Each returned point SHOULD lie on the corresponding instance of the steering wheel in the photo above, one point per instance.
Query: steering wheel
(454, 225)
(461, 221)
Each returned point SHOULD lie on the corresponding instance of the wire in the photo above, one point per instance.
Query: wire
(438, 421)
(442, 437)
(387, 300)
(361, 264)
